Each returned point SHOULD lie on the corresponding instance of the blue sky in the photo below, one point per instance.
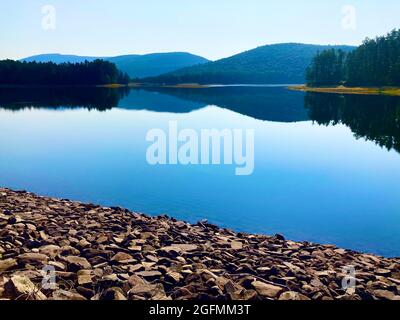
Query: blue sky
(211, 28)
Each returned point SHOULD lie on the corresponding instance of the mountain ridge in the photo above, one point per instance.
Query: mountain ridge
(269, 64)
(135, 65)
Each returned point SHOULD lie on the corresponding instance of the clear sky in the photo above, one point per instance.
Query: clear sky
(211, 28)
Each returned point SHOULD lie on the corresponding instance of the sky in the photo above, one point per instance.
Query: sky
(211, 28)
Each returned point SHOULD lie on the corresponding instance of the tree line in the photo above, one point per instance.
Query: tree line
(375, 63)
(98, 72)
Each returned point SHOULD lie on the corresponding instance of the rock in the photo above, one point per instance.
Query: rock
(122, 257)
(266, 290)
(291, 295)
(383, 272)
(32, 258)
(84, 277)
(76, 263)
(280, 237)
(173, 277)
(22, 288)
(185, 247)
(57, 265)
(7, 264)
(113, 294)
(50, 251)
(236, 245)
(384, 294)
(150, 275)
(67, 295)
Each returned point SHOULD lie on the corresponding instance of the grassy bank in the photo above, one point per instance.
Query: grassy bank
(389, 91)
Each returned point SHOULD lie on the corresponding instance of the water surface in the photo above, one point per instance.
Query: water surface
(327, 167)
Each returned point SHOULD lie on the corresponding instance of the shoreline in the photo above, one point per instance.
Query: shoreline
(382, 91)
(101, 253)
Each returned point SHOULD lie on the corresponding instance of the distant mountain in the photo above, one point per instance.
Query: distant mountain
(150, 65)
(59, 58)
(137, 66)
(272, 64)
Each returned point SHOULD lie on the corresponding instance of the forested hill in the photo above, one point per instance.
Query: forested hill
(375, 63)
(98, 72)
(135, 65)
(271, 64)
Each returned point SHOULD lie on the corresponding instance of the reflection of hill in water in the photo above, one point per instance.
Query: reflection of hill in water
(375, 118)
(263, 103)
(140, 99)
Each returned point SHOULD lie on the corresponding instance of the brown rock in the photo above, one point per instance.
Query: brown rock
(51, 251)
(7, 264)
(384, 294)
(113, 294)
(291, 295)
(77, 263)
(149, 274)
(84, 277)
(32, 258)
(266, 290)
(173, 277)
(67, 295)
(122, 257)
(22, 288)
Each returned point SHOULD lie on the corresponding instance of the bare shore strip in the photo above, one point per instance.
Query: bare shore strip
(112, 253)
(386, 91)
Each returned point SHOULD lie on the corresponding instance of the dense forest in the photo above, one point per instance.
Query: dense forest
(272, 64)
(97, 72)
(375, 63)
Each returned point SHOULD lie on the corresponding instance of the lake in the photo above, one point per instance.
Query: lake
(326, 167)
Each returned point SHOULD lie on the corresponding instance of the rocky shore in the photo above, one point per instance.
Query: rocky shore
(114, 254)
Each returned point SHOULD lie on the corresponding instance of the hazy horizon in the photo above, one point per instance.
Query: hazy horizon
(208, 29)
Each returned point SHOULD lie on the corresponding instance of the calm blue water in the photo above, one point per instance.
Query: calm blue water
(327, 168)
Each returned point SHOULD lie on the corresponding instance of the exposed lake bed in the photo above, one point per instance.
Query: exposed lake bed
(98, 253)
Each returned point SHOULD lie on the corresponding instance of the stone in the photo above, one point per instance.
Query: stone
(67, 295)
(236, 245)
(291, 295)
(7, 264)
(185, 247)
(266, 290)
(122, 257)
(113, 294)
(76, 263)
(149, 274)
(50, 251)
(173, 277)
(84, 277)
(22, 288)
(32, 258)
(384, 294)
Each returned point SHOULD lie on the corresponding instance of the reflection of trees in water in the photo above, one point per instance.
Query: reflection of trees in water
(61, 97)
(375, 118)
